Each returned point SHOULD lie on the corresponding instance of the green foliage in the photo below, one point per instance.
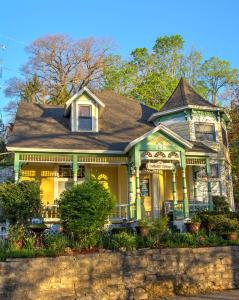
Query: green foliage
(29, 242)
(220, 204)
(85, 207)
(233, 138)
(196, 218)
(144, 223)
(124, 241)
(88, 240)
(219, 223)
(160, 225)
(173, 240)
(56, 242)
(31, 90)
(216, 74)
(16, 233)
(20, 201)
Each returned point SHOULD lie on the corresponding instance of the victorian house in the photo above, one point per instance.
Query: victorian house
(155, 162)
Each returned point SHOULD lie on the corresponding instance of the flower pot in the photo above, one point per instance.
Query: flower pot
(193, 227)
(230, 236)
(143, 230)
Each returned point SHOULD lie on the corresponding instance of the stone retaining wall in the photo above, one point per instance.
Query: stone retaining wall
(142, 274)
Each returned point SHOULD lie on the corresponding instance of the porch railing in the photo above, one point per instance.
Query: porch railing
(177, 209)
(51, 213)
(120, 212)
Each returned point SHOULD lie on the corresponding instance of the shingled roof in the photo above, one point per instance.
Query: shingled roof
(45, 127)
(185, 95)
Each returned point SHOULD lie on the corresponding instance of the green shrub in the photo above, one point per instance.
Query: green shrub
(220, 204)
(124, 241)
(179, 240)
(87, 240)
(160, 226)
(29, 242)
(16, 235)
(119, 230)
(147, 241)
(226, 226)
(20, 201)
(55, 242)
(144, 223)
(196, 218)
(85, 207)
(219, 223)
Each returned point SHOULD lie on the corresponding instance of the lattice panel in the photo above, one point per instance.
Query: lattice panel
(195, 162)
(103, 159)
(45, 158)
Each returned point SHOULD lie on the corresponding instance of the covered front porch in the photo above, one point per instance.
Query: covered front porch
(160, 185)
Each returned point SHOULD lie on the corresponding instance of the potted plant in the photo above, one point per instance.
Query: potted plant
(194, 224)
(37, 230)
(228, 229)
(143, 227)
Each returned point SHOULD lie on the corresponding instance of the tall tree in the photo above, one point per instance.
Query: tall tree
(233, 135)
(217, 74)
(168, 52)
(62, 66)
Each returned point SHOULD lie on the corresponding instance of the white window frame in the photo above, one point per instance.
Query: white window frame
(206, 123)
(77, 117)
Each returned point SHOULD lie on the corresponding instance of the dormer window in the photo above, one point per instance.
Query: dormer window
(85, 117)
(84, 109)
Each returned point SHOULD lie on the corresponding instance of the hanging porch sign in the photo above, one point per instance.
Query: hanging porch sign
(159, 166)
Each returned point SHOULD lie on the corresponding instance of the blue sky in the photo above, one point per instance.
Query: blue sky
(211, 26)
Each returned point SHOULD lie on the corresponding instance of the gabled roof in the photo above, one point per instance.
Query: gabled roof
(185, 95)
(164, 129)
(86, 90)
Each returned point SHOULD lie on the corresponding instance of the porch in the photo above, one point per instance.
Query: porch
(147, 191)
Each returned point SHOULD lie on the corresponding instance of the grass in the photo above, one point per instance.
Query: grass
(26, 253)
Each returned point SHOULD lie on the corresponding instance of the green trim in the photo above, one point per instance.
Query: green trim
(170, 116)
(75, 167)
(130, 192)
(138, 198)
(185, 194)
(209, 185)
(17, 166)
(174, 186)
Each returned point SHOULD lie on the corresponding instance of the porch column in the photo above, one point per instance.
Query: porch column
(130, 192)
(209, 185)
(175, 201)
(16, 167)
(75, 168)
(138, 198)
(185, 194)
(195, 191)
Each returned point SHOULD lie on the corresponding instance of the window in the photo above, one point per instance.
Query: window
(65, 171)
(85, 117)
(215, 171)
(205, 132)
(224, 137)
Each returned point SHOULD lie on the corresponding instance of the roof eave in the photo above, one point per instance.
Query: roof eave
(170, 111)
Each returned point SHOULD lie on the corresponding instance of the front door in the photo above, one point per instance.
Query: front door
(146, 195)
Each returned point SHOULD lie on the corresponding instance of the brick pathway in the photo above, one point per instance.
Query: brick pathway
(227, 295)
